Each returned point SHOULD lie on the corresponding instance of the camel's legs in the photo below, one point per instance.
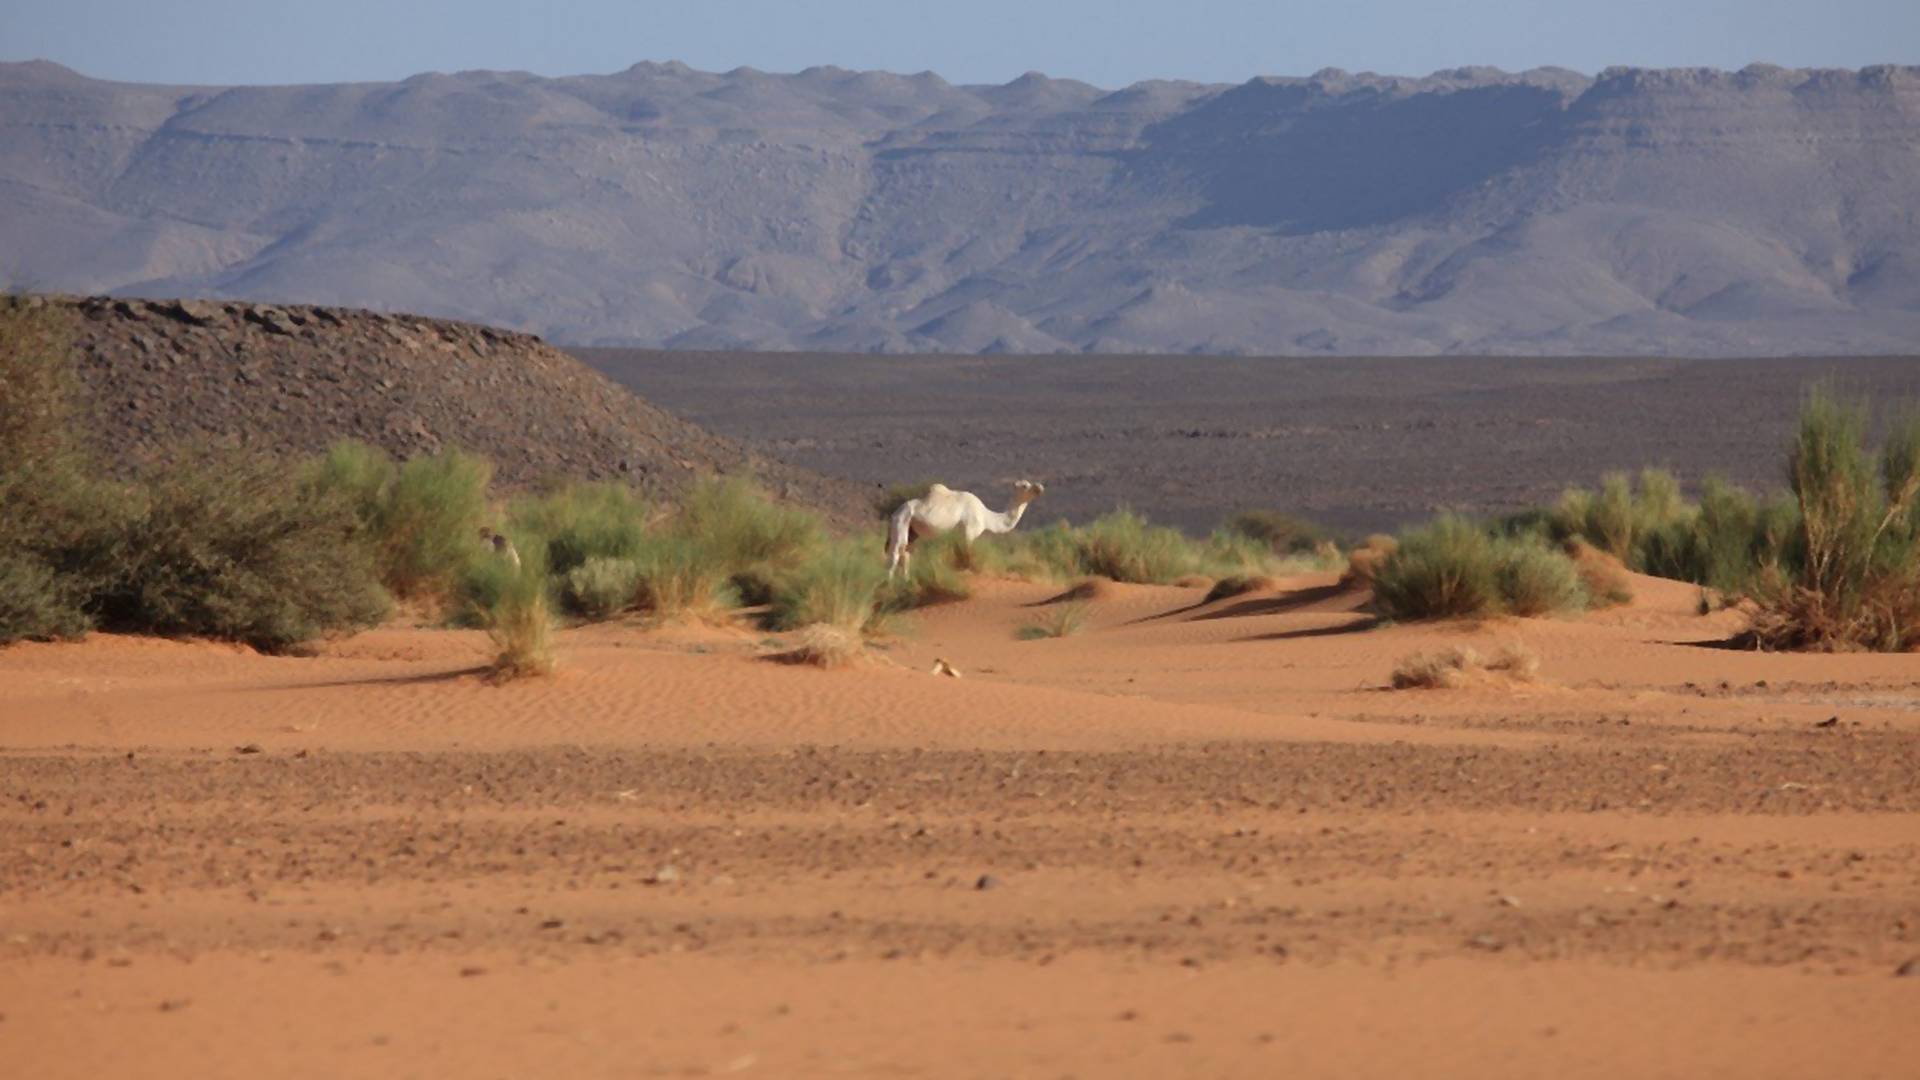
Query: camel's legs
(899, 541)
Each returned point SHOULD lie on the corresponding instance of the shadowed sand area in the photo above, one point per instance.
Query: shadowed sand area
(1195, 839)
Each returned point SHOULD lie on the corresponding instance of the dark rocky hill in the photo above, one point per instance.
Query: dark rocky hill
(1675, 212)
(159, 375)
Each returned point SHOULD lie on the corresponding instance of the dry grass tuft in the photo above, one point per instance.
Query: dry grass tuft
(823, 645)
(1365, 561)
(520, 622)
(1063, 621)
(1451, 669)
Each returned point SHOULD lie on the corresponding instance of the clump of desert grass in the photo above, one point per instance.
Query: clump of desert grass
(1063, 620)
(823, 646)
(1461, 666)
(519, 620)
(1851, 578)
(418, 517)
(601, 587)
(1364, 561)
(1457, 568)
(581, 523)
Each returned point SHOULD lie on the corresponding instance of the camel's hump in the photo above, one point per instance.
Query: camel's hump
(939, 489)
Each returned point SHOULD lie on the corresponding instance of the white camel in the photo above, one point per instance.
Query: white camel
(942, 509)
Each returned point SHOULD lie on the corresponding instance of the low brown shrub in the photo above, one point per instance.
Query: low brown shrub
(1365, 561)
(1451, 669)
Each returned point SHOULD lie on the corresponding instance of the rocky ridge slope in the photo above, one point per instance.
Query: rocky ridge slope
(160, 375)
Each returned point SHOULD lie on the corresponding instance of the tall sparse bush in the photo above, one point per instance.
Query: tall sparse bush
(583, 522)
(1849, 579)
(519, 618)
(221, 546)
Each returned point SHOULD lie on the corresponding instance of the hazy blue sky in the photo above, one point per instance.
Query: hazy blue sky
(1106, 42)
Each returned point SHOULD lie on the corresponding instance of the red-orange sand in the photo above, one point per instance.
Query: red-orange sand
(1193, 840)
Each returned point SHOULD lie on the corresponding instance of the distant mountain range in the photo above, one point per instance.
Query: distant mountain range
(1693, 212)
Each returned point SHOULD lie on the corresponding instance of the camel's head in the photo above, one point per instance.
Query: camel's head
(1025, 491)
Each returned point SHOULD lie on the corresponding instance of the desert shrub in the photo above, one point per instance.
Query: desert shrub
(601, 587)
(839, 586)
(1611, 519)
(357, 473)
(426, 527)
(1227, 554)
(1283, 534)
(1128, 548)
(1364, 562)
(1447, 568)
(419, 518)
(1535, 579)
(1457, 667)
(755, 538)
(1047, 554)
(219, 545)
(1062, 620)
(36, 603)
(681, 578)
(583, 522)
(1657, 504)
(61, 526)
(744, 527)
(519, 618)
(823, 646)
(1847, 577)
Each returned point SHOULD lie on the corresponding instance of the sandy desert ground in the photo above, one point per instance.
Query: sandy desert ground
(1197, 839)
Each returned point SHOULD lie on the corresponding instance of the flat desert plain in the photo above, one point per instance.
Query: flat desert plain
(1196, 839)
(1355, 442)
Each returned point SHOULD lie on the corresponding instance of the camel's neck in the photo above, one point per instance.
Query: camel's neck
(1004, 522)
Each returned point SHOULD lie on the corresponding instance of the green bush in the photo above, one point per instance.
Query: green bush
(420, 518)
(36, 603)
(1848, 577)
(583, 522)
(221, 546)
(602, 587)
(1228, 554)
(1064, 620)
(1126, 547)
(1535, 579)
(839, 587)
(681, 578)
(1448, 568)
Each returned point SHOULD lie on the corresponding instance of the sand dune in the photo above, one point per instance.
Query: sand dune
(1196, 838)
